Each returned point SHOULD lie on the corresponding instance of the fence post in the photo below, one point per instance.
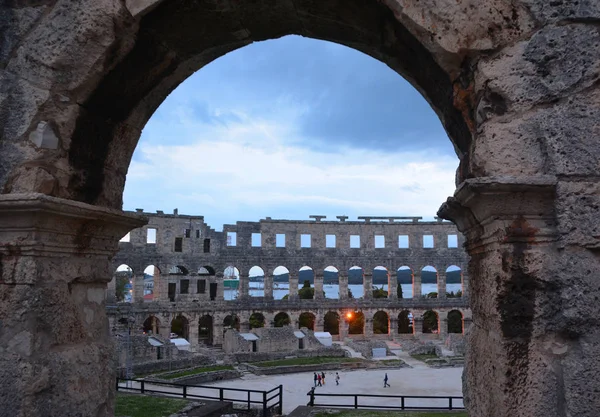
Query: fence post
(450, 398)
(142, 387)
(117, 386)
(355, 401)
(311, 393)
(280, 399)
(220, 394)
(402, 403)
(185, 391)
(249, 401)
(264, 403)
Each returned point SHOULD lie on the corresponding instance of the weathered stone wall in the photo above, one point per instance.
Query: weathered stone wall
(515, 84)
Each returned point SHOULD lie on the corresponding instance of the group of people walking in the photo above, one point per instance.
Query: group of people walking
(320, 379)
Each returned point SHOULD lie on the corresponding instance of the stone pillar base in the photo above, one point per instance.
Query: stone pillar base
(57, 355)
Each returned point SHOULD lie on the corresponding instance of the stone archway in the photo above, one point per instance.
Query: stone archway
(79, 81)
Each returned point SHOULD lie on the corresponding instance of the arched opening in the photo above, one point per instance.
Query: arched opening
(257, 320)
(356, 323)
(380, 282)
(455, 322)
(178, 270)
(381, 323)
(430, 322)
(429, 282)
(231, 322)
(454, 282)
(331, 282)
(124, 284)
(281, 282)
(307, 320)
(256, 276)
(206, 271)
(331, 323)
(152, 325)
(405, 282)
(205, 330)
(356, 282)
(180, 326)
(306, 283)
(231, 283)
(281, 319)
(151, 276)
(405, 322)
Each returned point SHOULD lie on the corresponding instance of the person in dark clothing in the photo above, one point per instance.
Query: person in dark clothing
(385, 380)
(323, 377)
(319, 380)
(316, 379)
(337, 379)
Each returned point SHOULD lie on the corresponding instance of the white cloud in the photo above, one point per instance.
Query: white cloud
(248, 170)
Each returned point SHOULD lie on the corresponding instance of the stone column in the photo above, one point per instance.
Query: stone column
(343, 328)
(244, 325)
(368, 330)
(193, 335)
(465, 284)
(220, 287)
(368, 285)
(417, 284)
(293, 287)
(319, 323)
(138, 289)
(441, 281)
(217, 333)
(392, 286)
(532, 299)
(165, 327)
(343, 283)
(268, 285)
(393, 327)
(417, 325)
(318, 285)
(54, 337)
(443, 325)
(244, 286)
(467, 321)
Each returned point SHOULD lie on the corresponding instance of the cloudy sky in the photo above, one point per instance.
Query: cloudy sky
(288, 128)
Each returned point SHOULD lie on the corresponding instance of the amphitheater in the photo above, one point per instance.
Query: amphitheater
(189, 260)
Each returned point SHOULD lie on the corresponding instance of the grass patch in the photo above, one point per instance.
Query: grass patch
(424, 356)
(306, 361)
(368, 413)
(147, 406)
(195, 371)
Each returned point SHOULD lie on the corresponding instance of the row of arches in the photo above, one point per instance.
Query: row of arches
(380, 323)
(278, 284)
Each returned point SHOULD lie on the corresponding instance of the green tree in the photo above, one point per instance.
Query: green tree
(455, 322)
(380, 323)
(430, 322)
(306, 320)
(122, 279)
(357, 324)
(282, 319)
(332, 323)
(350, 295)
(399, 291)
(256, 320)
(432, 295)
(379, 293)
(306, 292)
(404, 324)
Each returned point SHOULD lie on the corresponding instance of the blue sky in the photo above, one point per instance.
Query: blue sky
(288, 128)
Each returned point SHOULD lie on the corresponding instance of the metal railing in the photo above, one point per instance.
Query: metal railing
(268, 400)
(405, 402)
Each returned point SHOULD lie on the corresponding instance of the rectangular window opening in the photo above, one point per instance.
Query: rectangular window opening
(280, 240)
(305, 241)
(428, 241)
(198, 234)
(379, 241)
(330, 241)
(256, 240)
(403, 242)
(201, 286)
(151, 236)
(126, 238)
(453, 241)
(184, 286)
(231, 238)
(354, 241)
(206, 245)
(178, 244)
(188, 233)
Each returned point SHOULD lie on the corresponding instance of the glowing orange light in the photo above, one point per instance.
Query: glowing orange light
(349, 315)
